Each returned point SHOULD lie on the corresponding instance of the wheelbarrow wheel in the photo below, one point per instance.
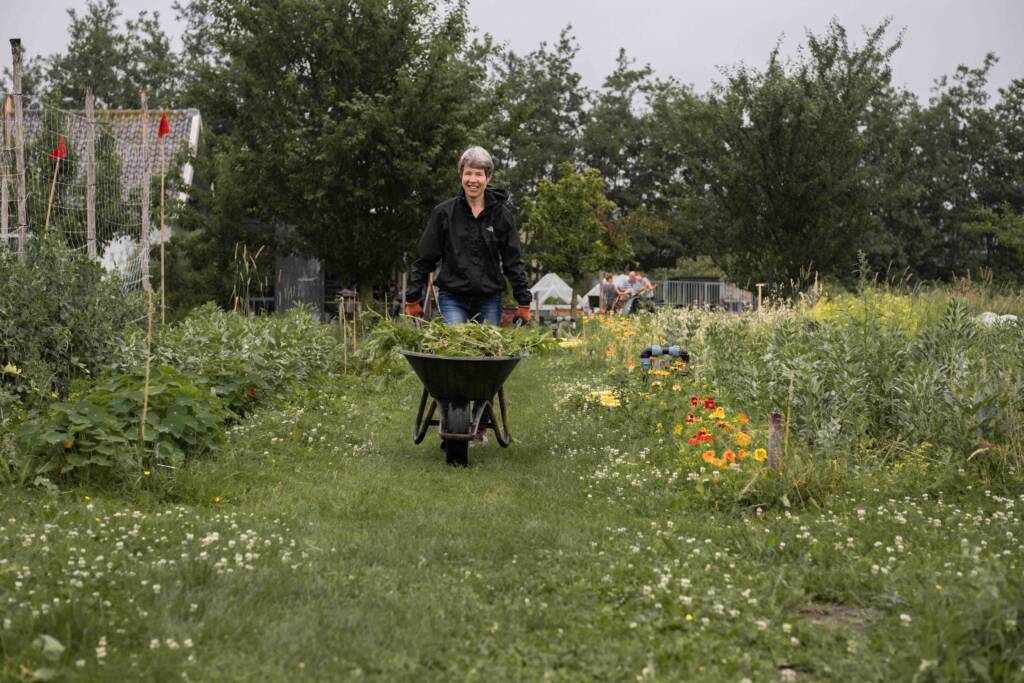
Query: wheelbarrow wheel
(457, 422)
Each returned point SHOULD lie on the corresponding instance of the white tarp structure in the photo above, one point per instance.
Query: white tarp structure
(553, 287)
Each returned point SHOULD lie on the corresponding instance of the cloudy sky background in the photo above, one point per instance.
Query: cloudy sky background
(686, 39)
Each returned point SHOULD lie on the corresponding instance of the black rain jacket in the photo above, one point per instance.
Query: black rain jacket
(474, 252)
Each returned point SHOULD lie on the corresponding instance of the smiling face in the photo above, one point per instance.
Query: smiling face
(474, 182)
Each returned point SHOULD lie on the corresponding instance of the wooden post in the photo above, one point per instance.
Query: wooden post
(760, 286)
(90, 173)
(5, 172)
(774, 440)
(19, 150)
(144, 237)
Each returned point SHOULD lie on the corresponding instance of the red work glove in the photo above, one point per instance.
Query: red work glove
(524, 312)
(413, 308)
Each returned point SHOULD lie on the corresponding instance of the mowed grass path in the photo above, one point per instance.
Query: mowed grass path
(321, 544)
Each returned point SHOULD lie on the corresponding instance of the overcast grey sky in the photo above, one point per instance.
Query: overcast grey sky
(682, 38)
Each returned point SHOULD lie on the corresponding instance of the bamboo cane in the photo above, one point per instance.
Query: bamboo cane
(149, 362)
(344, 337)
(53, 188)
(162, 235)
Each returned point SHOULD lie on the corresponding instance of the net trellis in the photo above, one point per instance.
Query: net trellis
(57, 184)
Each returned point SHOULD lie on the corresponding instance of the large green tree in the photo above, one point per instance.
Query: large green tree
(781, 179)
(535, 108)
(571, 228)
(116, 59)
(342, 119)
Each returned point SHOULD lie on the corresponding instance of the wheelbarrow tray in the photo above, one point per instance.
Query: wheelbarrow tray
(461, 378)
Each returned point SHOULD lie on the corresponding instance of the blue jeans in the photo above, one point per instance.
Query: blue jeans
(461, 309)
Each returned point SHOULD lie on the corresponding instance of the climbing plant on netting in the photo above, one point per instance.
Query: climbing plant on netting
(57, 153)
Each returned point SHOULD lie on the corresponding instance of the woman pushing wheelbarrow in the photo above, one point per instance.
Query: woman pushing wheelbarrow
(475, 238)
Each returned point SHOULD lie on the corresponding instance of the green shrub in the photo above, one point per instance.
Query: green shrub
(245, 359)
(101, 426)
(62, 317)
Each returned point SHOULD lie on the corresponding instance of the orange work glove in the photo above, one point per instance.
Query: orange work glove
(524, 312)
(413, 308)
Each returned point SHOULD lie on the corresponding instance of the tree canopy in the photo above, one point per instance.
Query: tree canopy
(340, 123)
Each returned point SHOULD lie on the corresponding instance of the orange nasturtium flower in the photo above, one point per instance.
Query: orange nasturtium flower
(760, 455)
(709, 456)
(729, 455)
(742, 439)
(742, 418)
(742, 455)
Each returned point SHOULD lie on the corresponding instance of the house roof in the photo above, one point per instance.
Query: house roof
(126, 128)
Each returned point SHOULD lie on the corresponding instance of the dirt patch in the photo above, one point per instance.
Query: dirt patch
(831, 615)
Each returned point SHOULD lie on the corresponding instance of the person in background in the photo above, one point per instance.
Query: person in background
(609, 294)
(475, 237)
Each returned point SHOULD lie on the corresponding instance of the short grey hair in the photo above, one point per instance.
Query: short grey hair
(477, 157)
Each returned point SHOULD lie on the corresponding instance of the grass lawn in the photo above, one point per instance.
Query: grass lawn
(321, 544)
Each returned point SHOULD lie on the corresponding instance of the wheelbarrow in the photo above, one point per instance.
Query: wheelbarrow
(462, 391)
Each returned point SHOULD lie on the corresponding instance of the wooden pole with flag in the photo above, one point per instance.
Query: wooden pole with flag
(59, 152)
(165, 128)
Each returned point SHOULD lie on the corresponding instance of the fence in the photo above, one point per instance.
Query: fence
(704, 294)
(86, 175)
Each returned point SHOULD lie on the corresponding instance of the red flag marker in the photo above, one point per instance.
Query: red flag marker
(60, 151)
(165, 127)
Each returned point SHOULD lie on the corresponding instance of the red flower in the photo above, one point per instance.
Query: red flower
(709, 403)
(690, 418)
(694, 401)
(252, 392)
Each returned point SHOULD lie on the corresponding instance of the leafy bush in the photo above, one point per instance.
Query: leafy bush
(62, 317)
(101, 426)
(245, 359)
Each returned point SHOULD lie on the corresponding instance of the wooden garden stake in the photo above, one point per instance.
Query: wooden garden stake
(774, 437)
(149, 363)
(760, 287)
(789, 411)
(344, 337)
(426, 299)
(58, 153)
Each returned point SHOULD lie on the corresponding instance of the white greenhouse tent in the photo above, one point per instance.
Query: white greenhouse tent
(553, 287)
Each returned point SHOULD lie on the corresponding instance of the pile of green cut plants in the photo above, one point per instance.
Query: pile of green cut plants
(381, 350)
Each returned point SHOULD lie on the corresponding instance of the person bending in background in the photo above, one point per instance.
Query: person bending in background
(475, 237)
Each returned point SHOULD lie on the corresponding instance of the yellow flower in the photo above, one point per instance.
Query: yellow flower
(760, 455)
(743, 439)
(718, 413)
(678, 430)
(677, 387)
(655, 383)
(606, 398)
(146, 473)
(659, 428)
(12, 369)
